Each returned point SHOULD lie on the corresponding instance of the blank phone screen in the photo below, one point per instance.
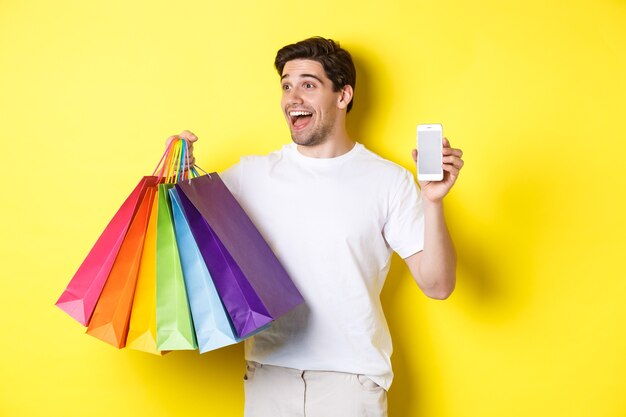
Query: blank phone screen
(429, 144)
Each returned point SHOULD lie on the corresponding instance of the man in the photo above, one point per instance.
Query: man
(333, 212)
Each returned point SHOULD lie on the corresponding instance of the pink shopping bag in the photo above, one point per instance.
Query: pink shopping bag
(81, 295)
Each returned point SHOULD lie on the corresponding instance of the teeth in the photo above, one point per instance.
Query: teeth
(300, 113)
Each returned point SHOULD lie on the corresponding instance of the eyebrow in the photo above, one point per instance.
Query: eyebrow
(305, 76)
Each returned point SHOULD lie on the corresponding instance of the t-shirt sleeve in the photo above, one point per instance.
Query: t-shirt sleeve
(232, 179)
(404, 228)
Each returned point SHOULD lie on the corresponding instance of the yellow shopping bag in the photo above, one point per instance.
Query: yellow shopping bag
(142, 329)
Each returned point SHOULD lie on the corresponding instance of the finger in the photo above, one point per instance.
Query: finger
(170, 139)
(446, 143)
(414, 155)
(190, 160)
(189, 156)
(188, 136)
(189, 148)
(451, 169)
(452, 151)
(457, 162)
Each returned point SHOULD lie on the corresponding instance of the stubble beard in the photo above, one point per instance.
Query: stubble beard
(316, 137)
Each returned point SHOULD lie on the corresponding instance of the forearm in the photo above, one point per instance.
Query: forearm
(437, 269)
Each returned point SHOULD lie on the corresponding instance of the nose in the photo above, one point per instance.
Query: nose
(294, 96)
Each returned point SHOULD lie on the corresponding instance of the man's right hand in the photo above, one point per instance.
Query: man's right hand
(190, 138)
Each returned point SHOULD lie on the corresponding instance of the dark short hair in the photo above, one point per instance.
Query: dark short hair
(335, 60)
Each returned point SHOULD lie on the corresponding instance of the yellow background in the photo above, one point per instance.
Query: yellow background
(533, 92)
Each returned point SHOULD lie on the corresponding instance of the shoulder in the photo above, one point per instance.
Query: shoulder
(380, 166)
(260, 161)
(251, 166)
(251, 169)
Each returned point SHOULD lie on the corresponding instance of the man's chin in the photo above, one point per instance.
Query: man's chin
(302, 141)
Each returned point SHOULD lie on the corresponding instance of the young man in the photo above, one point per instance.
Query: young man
(333, 212)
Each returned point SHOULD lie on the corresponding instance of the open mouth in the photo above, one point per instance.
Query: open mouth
(300, 118)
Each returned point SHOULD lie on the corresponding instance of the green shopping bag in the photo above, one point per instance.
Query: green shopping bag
(175, 329)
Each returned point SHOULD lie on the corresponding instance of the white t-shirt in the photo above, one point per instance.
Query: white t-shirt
(333, 224)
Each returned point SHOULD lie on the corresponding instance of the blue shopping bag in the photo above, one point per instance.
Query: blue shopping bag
(213, 327)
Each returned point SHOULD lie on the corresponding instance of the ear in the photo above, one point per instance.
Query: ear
(345, 96)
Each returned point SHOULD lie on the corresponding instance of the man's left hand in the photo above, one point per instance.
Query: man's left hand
(435, 191)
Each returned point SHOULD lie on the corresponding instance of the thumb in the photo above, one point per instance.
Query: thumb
(170, 139)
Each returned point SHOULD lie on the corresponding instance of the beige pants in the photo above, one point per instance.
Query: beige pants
(274, 391)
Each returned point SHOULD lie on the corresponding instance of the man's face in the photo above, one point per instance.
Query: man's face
(309, 102)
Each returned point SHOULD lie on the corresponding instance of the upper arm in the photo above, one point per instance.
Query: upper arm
(413, 262)
(232, 178)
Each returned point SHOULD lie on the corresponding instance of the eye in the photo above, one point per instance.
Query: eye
(286, 87)
(308, 85)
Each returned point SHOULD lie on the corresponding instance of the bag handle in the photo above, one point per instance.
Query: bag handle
(174, 164)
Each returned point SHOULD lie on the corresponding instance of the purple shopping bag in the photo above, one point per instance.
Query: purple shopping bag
(253, 285)
(245, 309)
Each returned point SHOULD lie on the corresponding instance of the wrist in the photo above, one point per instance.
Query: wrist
(432, 204)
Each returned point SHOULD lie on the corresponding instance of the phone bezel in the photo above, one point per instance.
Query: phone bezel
(429, 127)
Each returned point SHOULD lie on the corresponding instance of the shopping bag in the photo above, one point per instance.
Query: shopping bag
(174, 323)
(253, 285)
(142, 326)
(211, 322)
(245, 309)
(112, 313)
(81, 295)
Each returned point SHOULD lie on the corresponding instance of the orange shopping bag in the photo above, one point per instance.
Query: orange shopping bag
(111, 316)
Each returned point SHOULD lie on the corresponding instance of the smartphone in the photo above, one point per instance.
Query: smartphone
(429, 148)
